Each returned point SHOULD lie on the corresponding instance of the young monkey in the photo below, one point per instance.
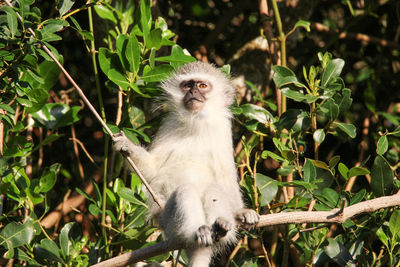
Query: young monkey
(190, 164)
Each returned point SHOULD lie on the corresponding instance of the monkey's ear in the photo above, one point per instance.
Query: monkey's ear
(230, 93)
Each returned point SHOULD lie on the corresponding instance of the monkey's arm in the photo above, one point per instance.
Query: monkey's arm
(139, 155)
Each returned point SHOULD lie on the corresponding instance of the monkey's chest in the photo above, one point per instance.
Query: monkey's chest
(198, 169)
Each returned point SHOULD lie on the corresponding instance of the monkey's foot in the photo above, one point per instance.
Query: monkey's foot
(203, 236)
(220, 227)
(121, 143)
(248, 217)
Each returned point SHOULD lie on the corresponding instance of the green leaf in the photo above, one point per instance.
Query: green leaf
(94, 210)
(154, 40)
(118, 78)
(382, 178)
(157, 74)
(121, 46)
(177, 57)
(333, 161)
(265, 154)
(293, 94)
(105, 13)
(358, 197)
(268, 188)
(133, 53)
(329, 109)
(348, 128)
(331, 195)
(394, 223)
(64, 6)
(382, 236)
(357, 171)
(382, 145)
(83, 193)
(12, 21)
(47, 181)
(256, 113)
(128, 195)
(344, 171)
(296, 120)
(337, 252)
(111, 66)
(344, 101)
(396, 132)
(65, 243)
(55, 115)
(145, 19)
(55, 25)
(47, 251)
(303, 24)
(309, 171)
(319, 136)
(14, 234)
(285, 169)
(283, 75)
(320, 164)
(332, 71)
(49, 72)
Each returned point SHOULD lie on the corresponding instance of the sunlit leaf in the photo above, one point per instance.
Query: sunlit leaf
(331, 71)
(105, 13)
(268, 188)
(64, 6)
(357, 171)
(382, 145)
(348, 128)
(303, 24)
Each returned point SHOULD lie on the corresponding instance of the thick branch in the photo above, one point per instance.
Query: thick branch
(297, 217)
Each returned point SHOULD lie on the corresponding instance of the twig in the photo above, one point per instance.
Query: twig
(356, 36)
(332, 216)
(93, 110)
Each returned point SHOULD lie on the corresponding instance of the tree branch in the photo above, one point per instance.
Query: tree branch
(356, 36)
(297, 217)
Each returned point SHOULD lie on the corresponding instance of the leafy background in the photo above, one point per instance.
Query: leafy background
(334, 138)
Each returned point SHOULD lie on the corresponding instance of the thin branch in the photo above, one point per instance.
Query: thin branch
(298, 217)
(356, 36)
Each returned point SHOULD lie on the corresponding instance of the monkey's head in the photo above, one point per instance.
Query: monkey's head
(198, 87)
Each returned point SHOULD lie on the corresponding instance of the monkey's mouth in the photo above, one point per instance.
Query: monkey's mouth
(194, 99)
(194, 104)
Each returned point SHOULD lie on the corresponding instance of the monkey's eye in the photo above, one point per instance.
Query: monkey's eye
(202, 85)
(187, 86)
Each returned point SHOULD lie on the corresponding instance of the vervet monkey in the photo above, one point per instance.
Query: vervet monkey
(190, 164)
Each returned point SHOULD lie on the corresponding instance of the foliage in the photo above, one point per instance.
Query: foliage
(299, 155)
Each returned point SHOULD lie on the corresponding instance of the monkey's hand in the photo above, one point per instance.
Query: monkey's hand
(122, 144)
(247, 217)
(203, 236)
(220, 228)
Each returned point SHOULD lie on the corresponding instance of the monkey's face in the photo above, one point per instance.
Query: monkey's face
(195, 92)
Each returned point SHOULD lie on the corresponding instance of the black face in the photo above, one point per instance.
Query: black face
(195, 91)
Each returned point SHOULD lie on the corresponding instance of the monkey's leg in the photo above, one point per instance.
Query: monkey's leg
(183, 218)
(199, 257)
(219, 212)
